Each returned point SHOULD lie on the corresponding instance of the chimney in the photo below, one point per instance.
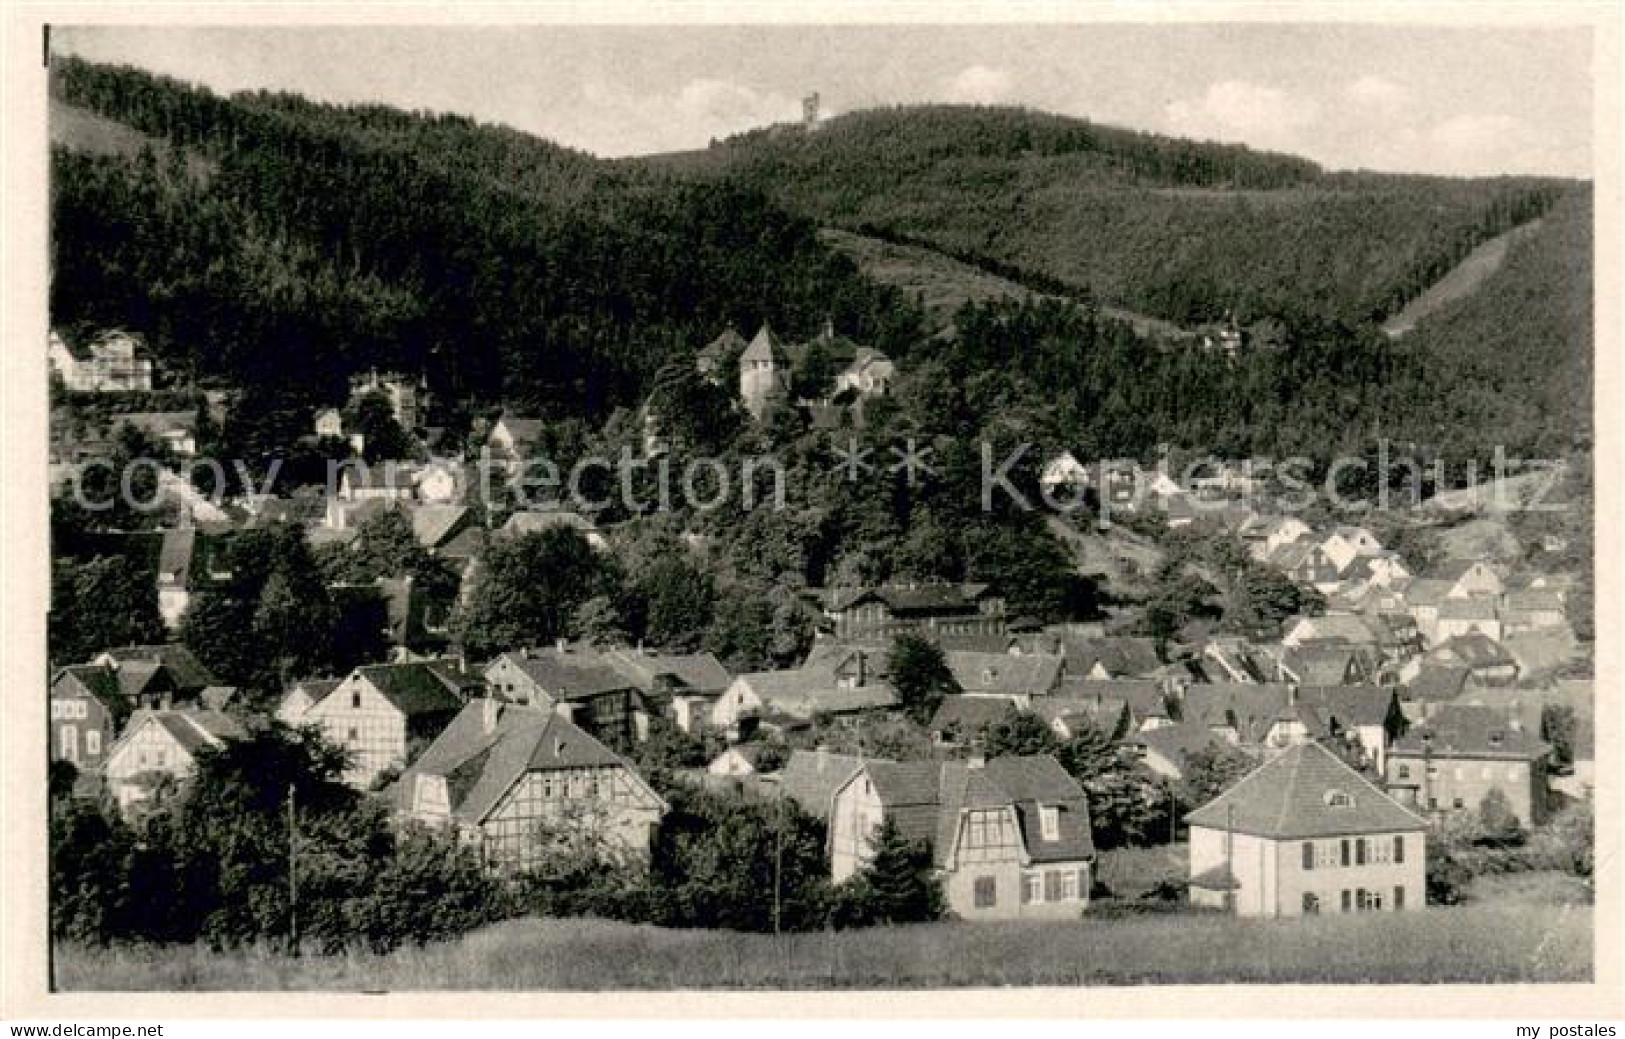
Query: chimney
(490, 709)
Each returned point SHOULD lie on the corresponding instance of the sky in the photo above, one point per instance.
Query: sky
(1460, 101)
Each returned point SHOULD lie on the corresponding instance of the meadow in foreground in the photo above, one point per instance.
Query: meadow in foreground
(1473, 944)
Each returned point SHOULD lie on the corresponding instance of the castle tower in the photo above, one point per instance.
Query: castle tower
(763, 373)
(809, 110)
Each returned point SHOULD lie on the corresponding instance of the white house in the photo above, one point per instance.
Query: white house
(1305, 834)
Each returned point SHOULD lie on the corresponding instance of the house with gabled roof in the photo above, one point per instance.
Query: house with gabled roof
(579, 683)
(1326, 663)
(1365, 717)
(1305, 834)
(1145, 699)
(1009, 839)
(1474, 615)
(514, 436)
(1166, 751)
(1450, 762)
(518, 782)
(1346, 543)
(111, 361)
(301, 697)
(87, 712)
(923, 608)
(381, 713)
(1018, 679)
(1109, 657)
(811, 777)
(157, 751)
(1263, 535)
(713, 358)
(773, 698)
(687, 684)
(1241, 713)
(1469, 577)
(1488, 663)
(1069, 717)
(958, 719)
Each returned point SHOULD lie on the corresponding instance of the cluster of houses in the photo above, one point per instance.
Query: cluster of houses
(537, 741)
(1411, 697)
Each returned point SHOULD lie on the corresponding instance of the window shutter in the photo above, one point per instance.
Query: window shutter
(1345, 853)
(1308, 855)
(1399, 848)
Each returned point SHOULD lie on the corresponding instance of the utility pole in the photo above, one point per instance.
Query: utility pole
(778, 860)
(1230, 855)
(293, 873)
(1173, 813)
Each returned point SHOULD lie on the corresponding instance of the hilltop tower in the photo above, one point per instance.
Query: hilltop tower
(809, 111)
(763, 373)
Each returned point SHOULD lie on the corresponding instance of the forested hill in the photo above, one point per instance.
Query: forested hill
(270, 241)
(1181, 230)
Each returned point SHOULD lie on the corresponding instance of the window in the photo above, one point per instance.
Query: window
(1311, 904)
(1069, 886)
(986, 892)
(1348, 899)
(1359, 851)
(1404, 772)
(68, 738)
(354, 734)
(1343, 852)
(1030, 889)
(1399, 848)
(1051, 819)
(1399, 898)
(1457, 803)
(355, 700)
(1308, 854)
(1433, 802)
(1360, 902)
(1338, 799)
(93, 742)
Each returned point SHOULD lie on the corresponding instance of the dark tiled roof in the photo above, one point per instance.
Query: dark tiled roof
(920, 598)
(810, 778)
(926, 798)
(482, 764)
(1029, 674)
(1466, 731)
(1349, 705)
(1175, 742)
(1438, 682)
(1249, 709)
(1121, 656)
(1292, 795)
(967, 714)
(421, 686)
(187, 672)
(97, 680)
(571, 674)
(1473, 650)
(696, 672)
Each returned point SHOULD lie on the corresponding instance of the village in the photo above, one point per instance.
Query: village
(1307, 767)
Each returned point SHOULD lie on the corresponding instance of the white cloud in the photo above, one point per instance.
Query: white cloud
(979, 84)
(1234, 110)
(1379, 94)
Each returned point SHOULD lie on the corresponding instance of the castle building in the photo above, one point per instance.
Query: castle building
(764, 374)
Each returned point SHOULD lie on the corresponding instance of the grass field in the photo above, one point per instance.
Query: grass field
(1479, 944)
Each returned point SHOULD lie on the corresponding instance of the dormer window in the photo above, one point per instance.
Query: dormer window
(1050, 822)
(1339, 799)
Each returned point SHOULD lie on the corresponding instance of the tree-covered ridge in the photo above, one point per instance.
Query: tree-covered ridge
(1183, 230)
(335, 239)
(916, 138)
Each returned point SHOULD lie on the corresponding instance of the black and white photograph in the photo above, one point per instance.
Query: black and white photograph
(803, 506)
